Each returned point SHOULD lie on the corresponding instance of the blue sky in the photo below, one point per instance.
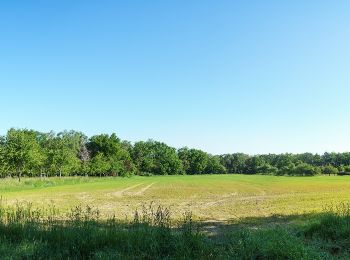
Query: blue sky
(222, 76)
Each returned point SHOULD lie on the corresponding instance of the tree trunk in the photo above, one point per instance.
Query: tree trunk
(60, 173)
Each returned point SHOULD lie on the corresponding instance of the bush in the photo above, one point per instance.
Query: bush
(286, 170)
(267, 169)
(146, 174)
(304, 169)
(329, 169)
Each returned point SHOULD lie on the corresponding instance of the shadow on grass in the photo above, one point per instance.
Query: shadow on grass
(26, 233)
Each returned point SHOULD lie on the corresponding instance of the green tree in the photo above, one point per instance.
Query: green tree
(156, 158)
(330, 159)
(253, 164)
(330, 170)
(143, 157)
(214, 166)
(194, 161)
(4, 168)
(284, 160)
(21, 150)
(62, 151)
(114, 151)
(286, 169)
(99, 165)
(305, 169)
(267, 169)
(234, 163)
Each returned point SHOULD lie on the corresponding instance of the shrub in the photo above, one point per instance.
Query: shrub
(329, 169)
(304, 169)
(267, 169)
(286, 170)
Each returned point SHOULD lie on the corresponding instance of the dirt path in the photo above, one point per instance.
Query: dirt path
(143, 190)
(120, 193)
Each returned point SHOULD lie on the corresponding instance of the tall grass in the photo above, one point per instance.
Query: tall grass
(11, 184)
(331, 231)
(31, 233)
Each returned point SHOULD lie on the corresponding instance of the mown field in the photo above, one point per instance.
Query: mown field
(208, 197)
(176, 217)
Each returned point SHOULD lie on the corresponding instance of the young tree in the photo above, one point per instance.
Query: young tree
(62, 153)
(21, 150)
(99, 165)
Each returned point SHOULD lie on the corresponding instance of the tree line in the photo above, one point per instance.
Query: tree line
(31, 153)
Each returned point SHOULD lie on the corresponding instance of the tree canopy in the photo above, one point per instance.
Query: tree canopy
(32, 153)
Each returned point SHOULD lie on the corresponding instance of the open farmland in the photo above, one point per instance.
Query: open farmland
(208, 197)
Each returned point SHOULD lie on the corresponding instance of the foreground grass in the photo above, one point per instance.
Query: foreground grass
(27, 233)
(232, 217)
(208, 197)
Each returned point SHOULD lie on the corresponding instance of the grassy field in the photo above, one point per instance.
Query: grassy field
(209, 197)
(233, 217)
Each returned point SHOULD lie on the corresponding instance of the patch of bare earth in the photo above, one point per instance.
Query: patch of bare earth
(122, 192)
(143, 190)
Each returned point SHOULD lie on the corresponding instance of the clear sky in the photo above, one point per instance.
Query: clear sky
(222, 76)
